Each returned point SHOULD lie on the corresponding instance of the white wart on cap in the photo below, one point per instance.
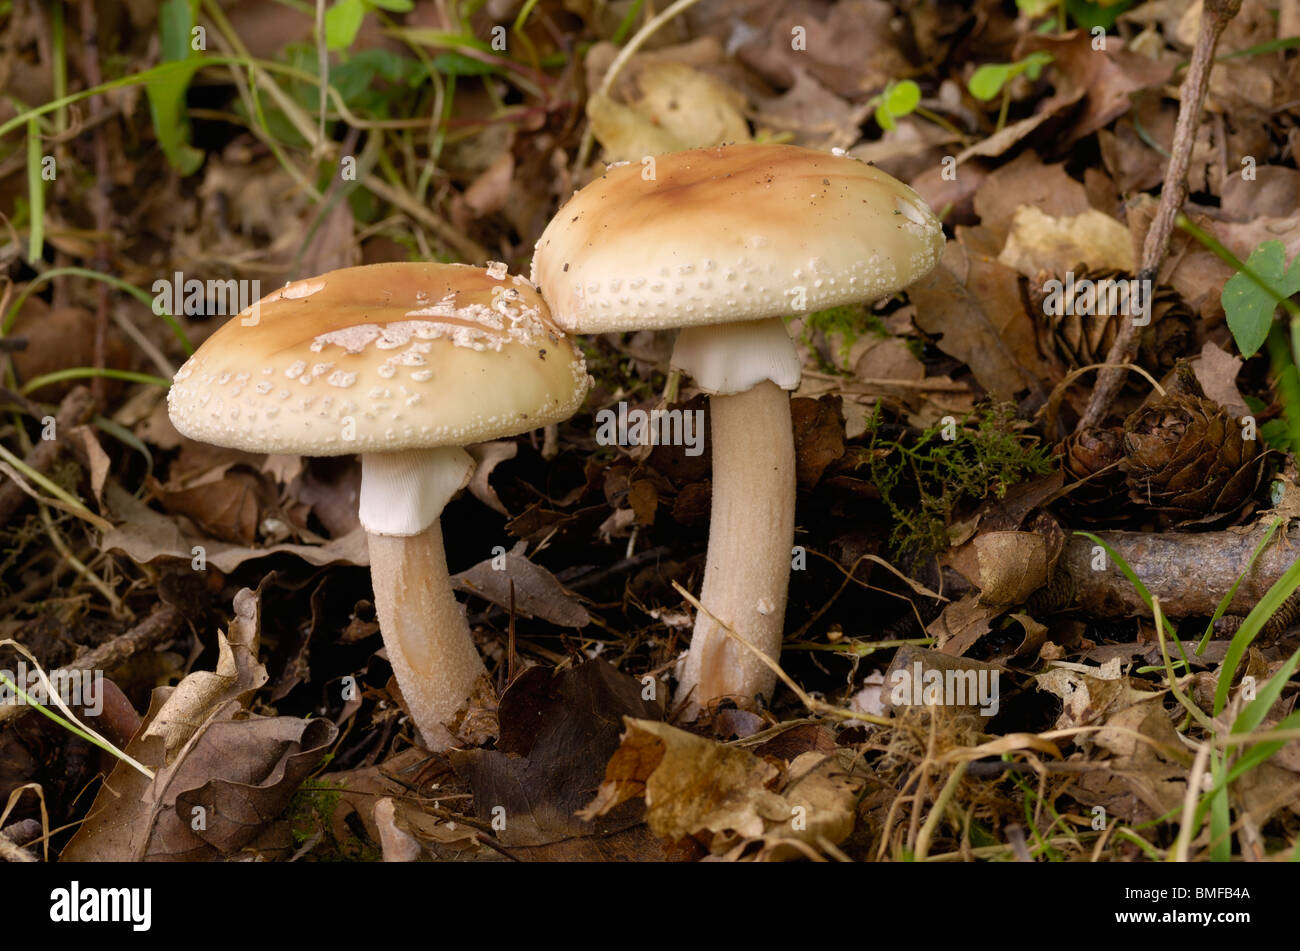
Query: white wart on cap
(381, 358)
(736, 233)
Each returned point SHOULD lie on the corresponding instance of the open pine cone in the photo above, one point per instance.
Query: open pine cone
(1185, 457)
(1083, 340)
(1090, 458)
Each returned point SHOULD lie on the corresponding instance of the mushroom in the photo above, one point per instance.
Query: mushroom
(405, 364)
(723, 242)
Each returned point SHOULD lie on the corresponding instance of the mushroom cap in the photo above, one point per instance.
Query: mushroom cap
(380, 358)
(739, 232)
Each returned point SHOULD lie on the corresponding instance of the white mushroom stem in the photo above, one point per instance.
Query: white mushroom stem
(751, 528)
(427, 639)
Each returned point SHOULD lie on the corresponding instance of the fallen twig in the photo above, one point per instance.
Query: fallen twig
(159, 626)
(77, 407)
(1215, 15)
(1189, 572)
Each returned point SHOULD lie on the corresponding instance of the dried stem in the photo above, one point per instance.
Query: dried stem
(1214, 17)
(77, 407)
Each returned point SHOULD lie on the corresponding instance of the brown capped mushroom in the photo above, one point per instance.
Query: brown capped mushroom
(405, 364)
(722, 242)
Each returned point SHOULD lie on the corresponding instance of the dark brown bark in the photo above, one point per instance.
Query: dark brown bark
(1189, 572)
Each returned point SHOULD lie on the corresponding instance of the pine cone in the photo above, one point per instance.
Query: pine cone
(1185, 457)
(1093, 455)
(1085, 339)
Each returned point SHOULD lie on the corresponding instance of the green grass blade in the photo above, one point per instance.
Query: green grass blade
(138, 293)
(1250, 628)
(81, 373)
(35, 192)
(1227, 598)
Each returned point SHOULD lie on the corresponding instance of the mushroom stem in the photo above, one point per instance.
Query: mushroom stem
(426, 636)
(751, 533)
(428, 641)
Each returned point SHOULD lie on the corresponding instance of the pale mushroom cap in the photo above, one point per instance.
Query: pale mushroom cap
(381, 358)
(740, 232)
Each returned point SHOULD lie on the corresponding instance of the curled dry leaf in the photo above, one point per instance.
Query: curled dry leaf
(725, 797)
(486, 458)
(230, 508)
(557, 731)
(1109, 76)
(1041, 242)
(96, 460)
(144, 535)
(1090, 694)
(221, 777)
(1012, 566)
(537, 592)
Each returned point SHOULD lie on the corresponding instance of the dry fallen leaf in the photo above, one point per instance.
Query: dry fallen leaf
(818, 437)
(144, 534)
(557, 730)
(1041, 242)
(679, 108)
(487, 456)
(972, 329)
(97, 461)
(537, 593)
(1012, 566)
(221, 776)
(725, 797)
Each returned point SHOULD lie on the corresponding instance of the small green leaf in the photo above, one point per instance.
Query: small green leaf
(903, 97)
(458, 64)
(1089, 15)
(1035, 8)
(393, 6)
(884, 118)
(1248, 306)
(342, 21)
(1034, 64)
(987, 81)
(167, 107)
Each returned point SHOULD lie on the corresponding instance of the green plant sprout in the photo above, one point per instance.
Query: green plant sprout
(993, 78)
(1085, 13)
(1250, 299)
(901, 98)
(167, 95)
(343, 19)
(897, 100)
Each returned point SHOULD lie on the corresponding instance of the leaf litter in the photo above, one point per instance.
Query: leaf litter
(270, 709)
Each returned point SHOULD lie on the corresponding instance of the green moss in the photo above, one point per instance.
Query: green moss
(925, 479)
(845, 325)
(311, 814)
